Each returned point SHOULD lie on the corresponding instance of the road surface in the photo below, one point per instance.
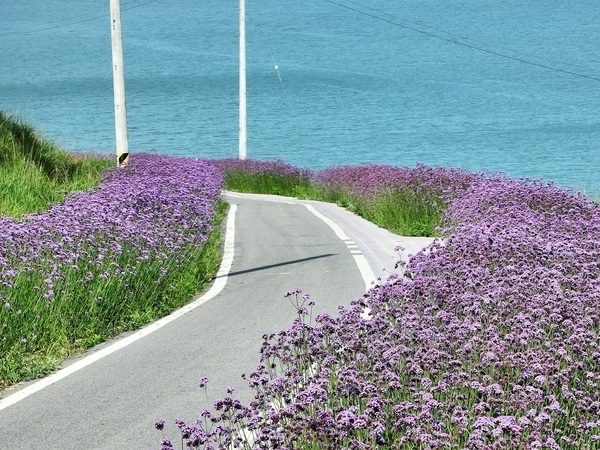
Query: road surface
(110, 397)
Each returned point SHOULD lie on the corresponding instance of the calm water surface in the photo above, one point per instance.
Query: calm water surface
(506, 86)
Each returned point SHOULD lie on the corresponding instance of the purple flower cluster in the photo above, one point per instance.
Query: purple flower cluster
(369, 181)
(150, 210)
(489, 340)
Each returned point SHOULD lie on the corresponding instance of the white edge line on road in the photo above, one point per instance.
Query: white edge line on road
(365, 270)
(264, 199)
(334, 226)
(363, 266)
(218, 285)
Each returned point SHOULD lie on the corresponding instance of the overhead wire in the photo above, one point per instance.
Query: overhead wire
(455, 41)
(74, 21)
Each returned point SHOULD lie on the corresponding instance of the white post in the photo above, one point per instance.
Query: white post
(243, 138)
(119, 83)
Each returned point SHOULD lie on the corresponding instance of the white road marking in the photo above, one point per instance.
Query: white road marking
(265, 199)
(216, 288)
(363, 266)
(334, 226)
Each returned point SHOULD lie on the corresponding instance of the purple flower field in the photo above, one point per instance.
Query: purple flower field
(489, 339)
(92, 265)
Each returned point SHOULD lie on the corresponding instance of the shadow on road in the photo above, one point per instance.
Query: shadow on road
(270, 266)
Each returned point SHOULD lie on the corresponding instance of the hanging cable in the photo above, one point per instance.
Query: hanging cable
(464, 44)
(74, 21)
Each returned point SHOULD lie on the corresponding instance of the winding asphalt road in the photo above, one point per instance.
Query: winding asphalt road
(110, 397)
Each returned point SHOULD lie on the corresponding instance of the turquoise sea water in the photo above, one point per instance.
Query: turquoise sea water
(506, 86)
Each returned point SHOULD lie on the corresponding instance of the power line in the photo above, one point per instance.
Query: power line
(463, 44)
(75, 21)
(139, 4)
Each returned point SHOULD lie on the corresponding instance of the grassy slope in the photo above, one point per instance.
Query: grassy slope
(35, 173)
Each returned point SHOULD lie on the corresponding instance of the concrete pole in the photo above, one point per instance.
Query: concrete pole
(243, 136)
(119, 83)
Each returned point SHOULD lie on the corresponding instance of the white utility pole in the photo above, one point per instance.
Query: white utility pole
(243, 138)
(119, 83)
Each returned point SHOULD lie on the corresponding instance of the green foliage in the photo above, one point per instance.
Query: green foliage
(403, 212)
(34, 173)
(271, 183)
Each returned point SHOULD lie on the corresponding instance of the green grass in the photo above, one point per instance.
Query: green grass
(35, 173)
(403, 212)
(271, 183)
